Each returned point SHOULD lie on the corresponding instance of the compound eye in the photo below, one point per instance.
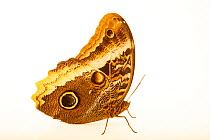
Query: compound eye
(69, 100)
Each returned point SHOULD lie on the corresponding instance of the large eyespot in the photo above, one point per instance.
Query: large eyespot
(98, 77)
(109, 33)
(69, 100)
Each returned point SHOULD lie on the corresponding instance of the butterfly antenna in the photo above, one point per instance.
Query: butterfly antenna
(136, 87)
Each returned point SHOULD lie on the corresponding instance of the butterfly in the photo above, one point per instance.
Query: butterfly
(93, 85)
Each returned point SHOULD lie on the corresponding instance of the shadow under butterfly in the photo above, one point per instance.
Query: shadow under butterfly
(93, 85)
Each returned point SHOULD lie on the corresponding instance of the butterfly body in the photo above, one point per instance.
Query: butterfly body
(93, 85)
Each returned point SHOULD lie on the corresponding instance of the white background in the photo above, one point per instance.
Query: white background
(172, 41)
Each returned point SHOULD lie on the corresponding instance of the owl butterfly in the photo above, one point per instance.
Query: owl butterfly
(93, 85)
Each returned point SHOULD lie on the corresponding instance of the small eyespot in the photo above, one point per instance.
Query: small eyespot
(98, 77)
(110, 33)
(68, 100)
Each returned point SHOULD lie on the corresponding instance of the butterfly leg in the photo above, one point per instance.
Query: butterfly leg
(127, 122)
(130, 114)
(105, 126)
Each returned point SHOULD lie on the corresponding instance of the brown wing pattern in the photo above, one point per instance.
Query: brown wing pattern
(97, 80)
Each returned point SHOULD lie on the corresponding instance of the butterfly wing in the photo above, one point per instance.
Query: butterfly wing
(93, 85)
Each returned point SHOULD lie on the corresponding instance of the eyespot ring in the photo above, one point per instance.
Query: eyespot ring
(68, 100)
(109, 33)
